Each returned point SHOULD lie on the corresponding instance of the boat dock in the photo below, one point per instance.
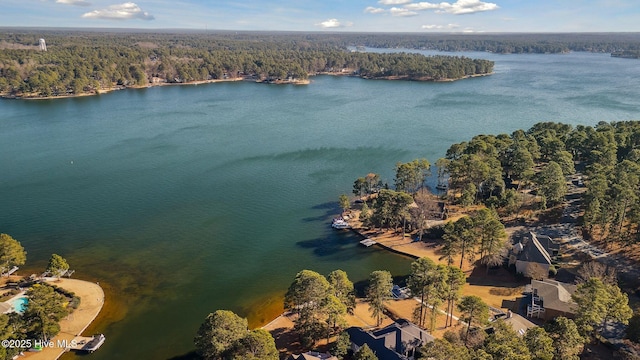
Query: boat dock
(86, 343)
(368, 242)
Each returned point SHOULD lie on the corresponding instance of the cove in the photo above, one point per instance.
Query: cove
(184, 200)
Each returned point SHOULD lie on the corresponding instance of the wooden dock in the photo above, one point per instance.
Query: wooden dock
(86, 343)
(368, 242)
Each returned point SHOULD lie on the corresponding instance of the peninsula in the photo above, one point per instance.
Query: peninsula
(63, 64)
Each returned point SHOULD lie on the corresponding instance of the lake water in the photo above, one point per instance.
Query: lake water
(184, 200)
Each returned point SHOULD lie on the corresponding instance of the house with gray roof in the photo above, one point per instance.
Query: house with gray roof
(551, 299)
(532, 255)
(312, 355)
(397, 341)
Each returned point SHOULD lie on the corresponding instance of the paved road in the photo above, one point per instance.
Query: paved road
(567, 231)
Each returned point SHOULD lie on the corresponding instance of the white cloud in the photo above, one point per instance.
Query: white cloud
(373, 10)
(73, 2)
(402, 12)
(394, 2)
(461, 7)
(423, 6)
(124, 11)
(333, 23)
(440, 27)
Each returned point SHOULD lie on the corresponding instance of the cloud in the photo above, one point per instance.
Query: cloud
(333, 23)
(73, 2)
(372, 10)
(440, 27)
(424, 6)
(124, 11)
(402, 12)
(461, 7)
(394, 2)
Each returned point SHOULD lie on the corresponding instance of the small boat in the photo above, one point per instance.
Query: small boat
(339, 223)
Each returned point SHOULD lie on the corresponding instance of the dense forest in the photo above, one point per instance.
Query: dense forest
(87, 62)
(527, 172)
(500, 170)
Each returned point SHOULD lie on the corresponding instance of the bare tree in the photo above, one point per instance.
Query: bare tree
(426, 206)
(594, 269)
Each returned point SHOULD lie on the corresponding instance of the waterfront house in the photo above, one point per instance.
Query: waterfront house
(550, 299)
(312, 355)
(533, 254)
(397, 341)
(518, 323)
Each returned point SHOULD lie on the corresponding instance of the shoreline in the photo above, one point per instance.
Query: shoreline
(246, 78)
(92, 300)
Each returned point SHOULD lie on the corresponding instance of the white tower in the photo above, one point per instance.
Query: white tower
(43, 45)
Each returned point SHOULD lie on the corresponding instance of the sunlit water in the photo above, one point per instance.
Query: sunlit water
(184, 200)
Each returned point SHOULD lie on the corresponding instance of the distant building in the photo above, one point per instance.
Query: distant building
(397, 341)
(43, 45)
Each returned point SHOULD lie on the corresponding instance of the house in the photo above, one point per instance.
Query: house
(518, 323)
(550, 299)
(312, 355)
(397, 341)
(532, 255)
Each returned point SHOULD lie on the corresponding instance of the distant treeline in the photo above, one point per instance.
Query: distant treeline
(503, 43)
(86, 62)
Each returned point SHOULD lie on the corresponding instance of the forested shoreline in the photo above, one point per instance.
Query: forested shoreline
(524, 173)
(78, 63)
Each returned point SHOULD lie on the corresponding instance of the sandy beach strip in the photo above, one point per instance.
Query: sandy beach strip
(91, 302)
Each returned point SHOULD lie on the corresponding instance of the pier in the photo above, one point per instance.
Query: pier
(368, 242)
(86, 343)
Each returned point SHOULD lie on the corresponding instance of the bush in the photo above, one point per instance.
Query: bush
(633, 330)
(74, 303)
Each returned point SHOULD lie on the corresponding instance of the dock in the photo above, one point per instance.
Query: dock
(86, 343)
(368, 242)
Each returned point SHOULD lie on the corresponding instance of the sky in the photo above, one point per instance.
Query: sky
(459, 16)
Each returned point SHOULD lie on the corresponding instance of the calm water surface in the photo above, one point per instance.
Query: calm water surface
(184, 200)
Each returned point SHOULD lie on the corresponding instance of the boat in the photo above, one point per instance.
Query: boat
(340, 223)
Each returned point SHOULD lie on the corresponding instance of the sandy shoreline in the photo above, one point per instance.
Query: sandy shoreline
(155, 84)
(91, 302)
(200, 82)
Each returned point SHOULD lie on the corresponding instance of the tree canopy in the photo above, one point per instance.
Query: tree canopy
(57, 265)
(218, 334)
(79, 62)
(11, 253)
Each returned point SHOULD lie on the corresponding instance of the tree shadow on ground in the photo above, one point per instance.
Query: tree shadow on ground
(499, 277)
(287, 341)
